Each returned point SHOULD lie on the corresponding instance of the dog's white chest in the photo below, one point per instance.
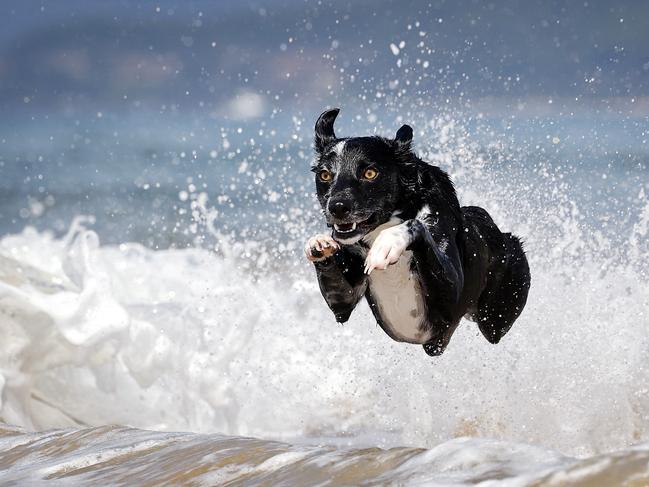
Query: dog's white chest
(397, 294)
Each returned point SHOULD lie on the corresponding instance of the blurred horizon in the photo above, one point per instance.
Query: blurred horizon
(114, 109)
(200, 55)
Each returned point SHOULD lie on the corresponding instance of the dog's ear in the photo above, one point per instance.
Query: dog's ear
(324, 129)
(404, 135)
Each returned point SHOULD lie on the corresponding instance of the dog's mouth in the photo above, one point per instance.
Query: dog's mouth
(345, 227)
(351, 232)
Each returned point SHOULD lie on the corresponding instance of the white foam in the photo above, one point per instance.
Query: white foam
(184, 340)
(189, 340)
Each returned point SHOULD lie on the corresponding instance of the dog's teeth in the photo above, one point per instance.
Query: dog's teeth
(338, 229)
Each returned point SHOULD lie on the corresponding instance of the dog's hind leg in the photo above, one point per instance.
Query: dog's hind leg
(505, 295)
(437, 344)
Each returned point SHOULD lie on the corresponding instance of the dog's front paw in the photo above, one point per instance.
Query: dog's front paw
(320, 247)
(387, 248)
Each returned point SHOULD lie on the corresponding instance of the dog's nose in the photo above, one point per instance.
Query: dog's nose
(340, 208)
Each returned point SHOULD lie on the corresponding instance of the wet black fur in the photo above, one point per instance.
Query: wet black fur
(480, 273)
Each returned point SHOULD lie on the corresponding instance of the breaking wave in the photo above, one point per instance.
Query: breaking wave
(233, 338)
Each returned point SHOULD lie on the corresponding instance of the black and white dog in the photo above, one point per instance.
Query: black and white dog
(401, 239)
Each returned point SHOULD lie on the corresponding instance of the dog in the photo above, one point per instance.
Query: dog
(400, 239)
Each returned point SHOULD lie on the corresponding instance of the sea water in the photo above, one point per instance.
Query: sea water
(184, 304)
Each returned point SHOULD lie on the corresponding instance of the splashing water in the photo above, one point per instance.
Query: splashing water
(123, 456)
(190, 339)
(232, 337)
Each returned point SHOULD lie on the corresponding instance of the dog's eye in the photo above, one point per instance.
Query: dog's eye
(370, 173)
(324, 175)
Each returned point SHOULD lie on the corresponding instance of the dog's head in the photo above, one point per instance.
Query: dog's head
(358, 178)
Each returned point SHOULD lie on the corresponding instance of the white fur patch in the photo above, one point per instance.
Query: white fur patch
(339, 147)
(349, 241)
(423, 213)
(387, 247)
(398, 296)
(394, 288)
(371, 236)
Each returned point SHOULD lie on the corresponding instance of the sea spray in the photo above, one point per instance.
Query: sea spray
(183, 339)
(232, 336)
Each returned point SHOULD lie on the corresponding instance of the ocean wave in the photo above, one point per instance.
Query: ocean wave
(187, 339)
(119, 456)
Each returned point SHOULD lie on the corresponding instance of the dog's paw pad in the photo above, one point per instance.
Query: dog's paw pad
(387, 248)
(320, 247)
